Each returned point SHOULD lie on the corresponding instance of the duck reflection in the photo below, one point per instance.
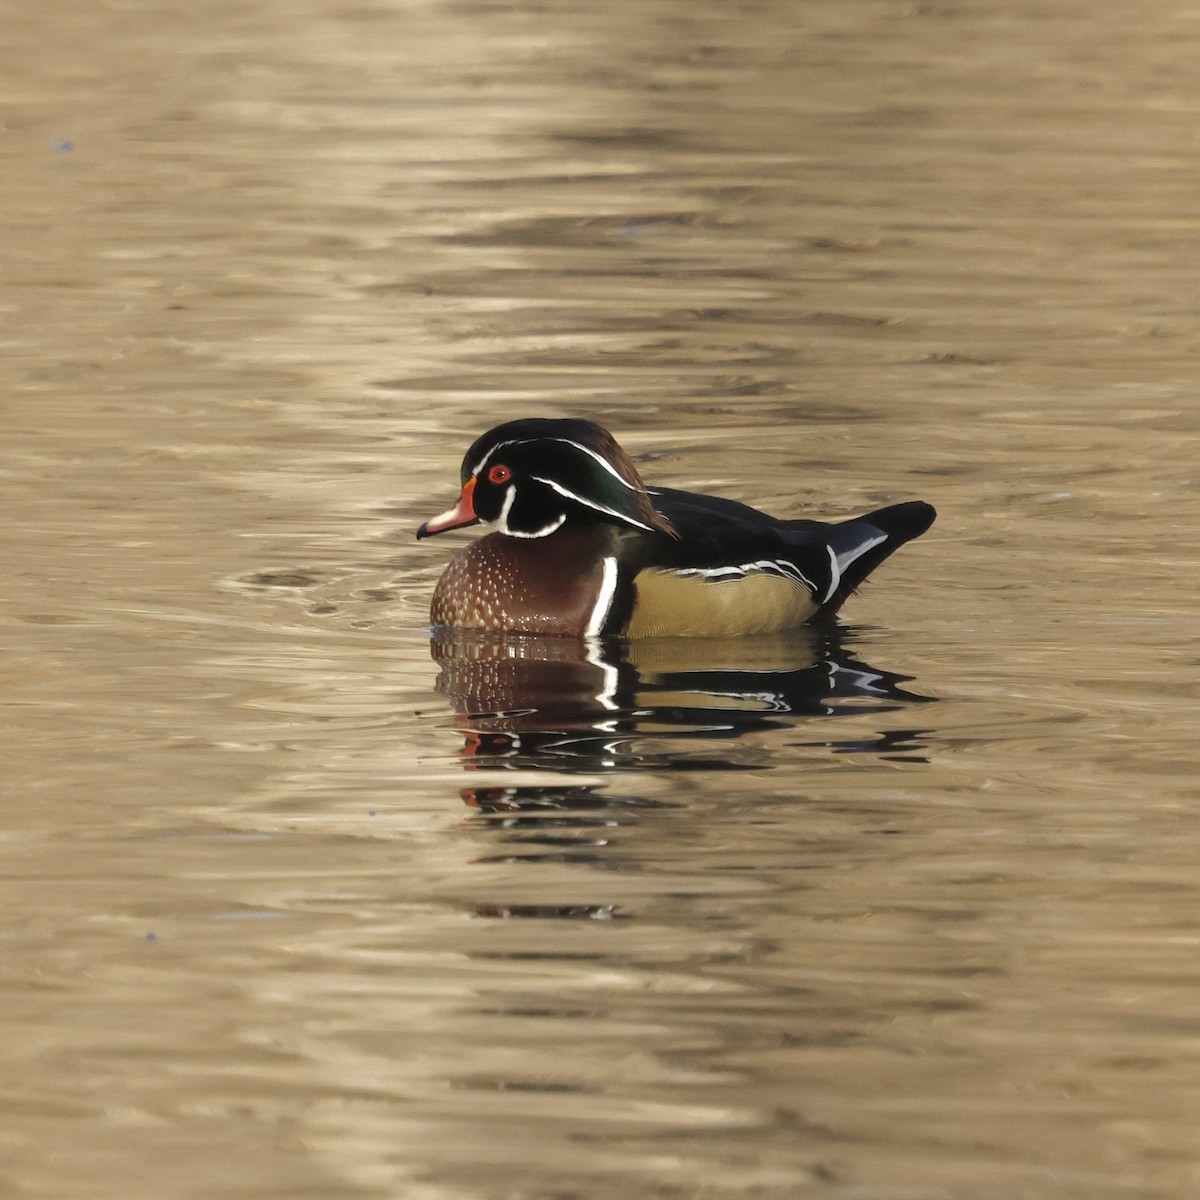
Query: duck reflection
(674, 703)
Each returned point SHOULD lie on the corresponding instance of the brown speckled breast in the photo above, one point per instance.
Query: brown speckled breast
(524, 585)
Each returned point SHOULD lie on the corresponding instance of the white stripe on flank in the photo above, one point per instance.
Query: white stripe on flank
(604, 601)
(835, 573)
(839, 562)
(844, 560)
(772, 566)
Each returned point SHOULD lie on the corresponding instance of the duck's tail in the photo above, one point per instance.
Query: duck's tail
(858, 546)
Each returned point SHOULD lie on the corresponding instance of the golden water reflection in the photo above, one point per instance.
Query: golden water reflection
(768, 928)
(565, 704)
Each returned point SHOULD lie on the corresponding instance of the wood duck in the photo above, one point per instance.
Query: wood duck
(582, 547)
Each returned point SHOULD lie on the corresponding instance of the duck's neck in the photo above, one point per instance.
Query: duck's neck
(558, 584)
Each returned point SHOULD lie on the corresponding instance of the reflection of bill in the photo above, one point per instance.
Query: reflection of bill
(585, 704)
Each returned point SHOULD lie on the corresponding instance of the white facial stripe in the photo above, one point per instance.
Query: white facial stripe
(501, 522)
(570, 495)
(599, 458)
(545, 530)
(483, 461)
(604, 601)
(566, 442)
(510, 494)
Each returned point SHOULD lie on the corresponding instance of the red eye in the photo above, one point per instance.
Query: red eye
(499, 474)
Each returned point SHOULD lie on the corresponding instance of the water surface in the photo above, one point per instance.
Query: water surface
(300, 903)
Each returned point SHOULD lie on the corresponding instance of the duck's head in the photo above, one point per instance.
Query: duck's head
(530, 478)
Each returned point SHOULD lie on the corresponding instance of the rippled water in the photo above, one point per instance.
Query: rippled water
(297, 903)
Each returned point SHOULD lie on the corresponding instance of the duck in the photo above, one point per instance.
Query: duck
(582, 547)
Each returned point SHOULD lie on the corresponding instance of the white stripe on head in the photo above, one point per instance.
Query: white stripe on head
(603, 508)
(483, 461)
(599, 458)
(501, 522)
(566, 442)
